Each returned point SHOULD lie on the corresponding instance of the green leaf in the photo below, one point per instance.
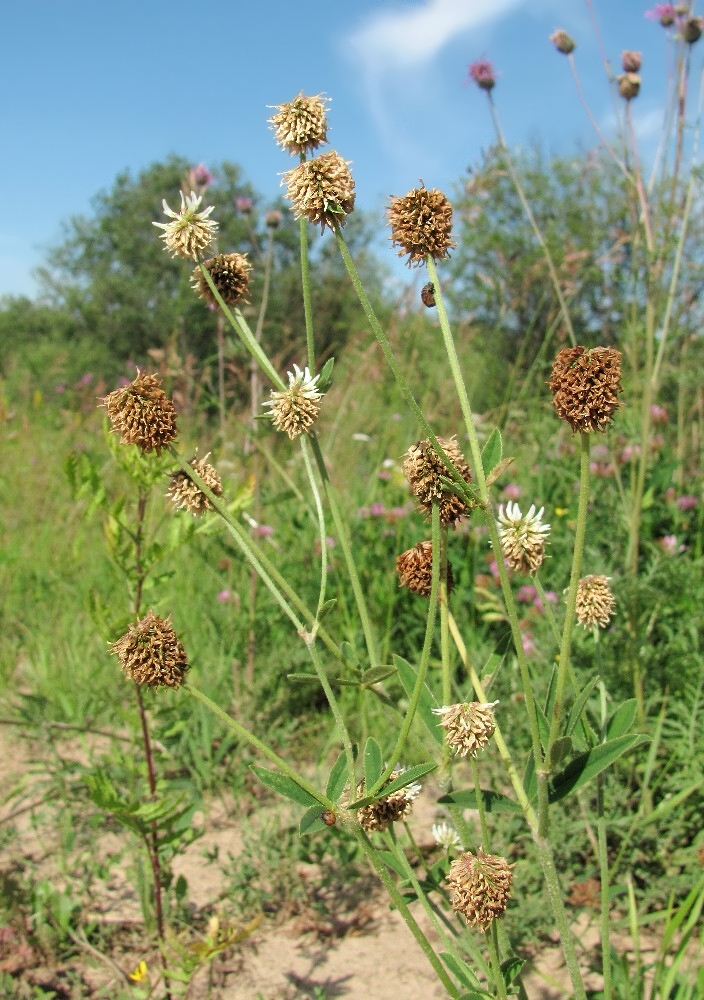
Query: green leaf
(326, 609)
(373, 763)
(499, 469)
(492, 451)
(376, 674)
(312, 821)
(325, 378)
(302, 677)
(511, 968)
(412, 774)
(284, 785)
(587, 765)
(337, 779)
(493, 801)
(408, 675)
(560, 749)
(552, 692)
(530, 781)
(349, 657)
(391, 861)
(580, 702)
(459, 969)
(622, 719)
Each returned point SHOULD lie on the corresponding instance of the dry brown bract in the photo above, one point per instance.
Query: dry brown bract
(468, 726)
(480, 886)
(595, 602)
(302, 124)
(322, 190)
(425, 470)
(421, 225)
(184, 493)
(415, 569)
(562, 41)
(390, 809)
(142, 414)
(230, 274)
(150, 652)
(585, 385)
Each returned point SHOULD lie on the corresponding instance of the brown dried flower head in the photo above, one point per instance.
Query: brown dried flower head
(585, 386)
(691, 30)
(480, 886)
(322, 190)
(390, 809)
(421, 225)
(230, 274)
(415, 569)
(468, 726)
(273, 219)
(562, 41)
(425, 470)
(151, 653)
(631, 61)
(190, 232)
(183, 492)
(595, 602)
(427, 295)
(523, 537)
(295, 410)
(142, 414)
(301, 125)
(628, 85)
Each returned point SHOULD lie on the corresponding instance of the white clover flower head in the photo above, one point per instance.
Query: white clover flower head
(295, 410)
(522, 537)
(447, 837)
(190, 232)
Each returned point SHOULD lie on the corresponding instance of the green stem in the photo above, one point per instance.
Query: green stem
(603, 863)
(493, 941)
(555, 894)
(480, 805)
(402, 907)
(305, 281)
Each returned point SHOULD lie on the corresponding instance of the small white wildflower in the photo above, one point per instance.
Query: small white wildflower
(360, 436)
(447, 837)
(523, 537)
(191, 232)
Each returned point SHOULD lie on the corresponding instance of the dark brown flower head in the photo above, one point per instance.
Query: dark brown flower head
(691, 30)
(628, 85)
(427, 295)
(301, 125)
(390, 809)
(480, 886)
(183, 492)
(424, 470)
(150, 652)
(230, 274)
(142, 414)
(562, 41)
(468, 726)
(595, 602)
(585, 386)
(415, 569)
(322, 190)
(631, 61)
(421, 225)
(273, 219)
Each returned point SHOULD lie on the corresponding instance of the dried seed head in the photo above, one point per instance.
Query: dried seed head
(230, 274)
(562, 41)
(322, 190)
(296, 409)
(390, 809)
(468, 726)
(301, 125)
(273, 219)
(191, 232)
(421, 225)
(183, 492)
(595, 602)
(628, 85)
(415, 569)
(483, 74)
(150, 652)
(691, 30)
(585, 386)
(142, 414)
(425, 470)
(631, 61)
(427, 295)
(522, 537)
(480, 886)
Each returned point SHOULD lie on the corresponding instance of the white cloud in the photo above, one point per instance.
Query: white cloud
(405, 38)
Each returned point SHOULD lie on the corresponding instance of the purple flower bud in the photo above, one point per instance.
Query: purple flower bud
(483, 74)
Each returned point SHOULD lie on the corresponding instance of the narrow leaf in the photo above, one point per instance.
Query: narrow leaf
(337, 779)
(497, 471)
(491, 452)
(510, 969)
(326, 609)
(493, 801)
(427, 703)
(580, 702)
(376, 674)
(311, 821)
(373, 762)
(622, 719)
(587, 765)
(459, 969)
(560, 749)
(284, 785)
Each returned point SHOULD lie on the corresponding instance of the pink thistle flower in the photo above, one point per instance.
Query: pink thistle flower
(224, 596)
(665, 13)
(512, 491)
(377, 510)
(483, 74)
(658, 414)
(244, 205)
(263, 531)
(526, 594)
(199, 178)
(687, 502)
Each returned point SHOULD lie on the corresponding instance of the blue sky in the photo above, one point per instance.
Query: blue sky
(91, 88)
